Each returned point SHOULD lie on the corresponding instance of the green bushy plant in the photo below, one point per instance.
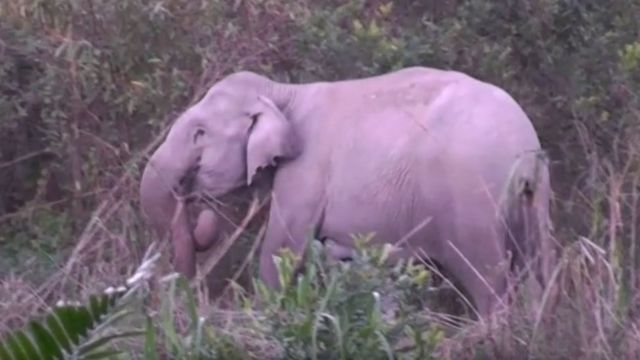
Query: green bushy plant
(356, 310)
(73, 330)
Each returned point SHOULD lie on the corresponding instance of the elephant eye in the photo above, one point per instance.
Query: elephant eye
(197, 135)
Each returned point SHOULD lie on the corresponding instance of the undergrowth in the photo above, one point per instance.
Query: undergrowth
(365, 309)
(331, 310)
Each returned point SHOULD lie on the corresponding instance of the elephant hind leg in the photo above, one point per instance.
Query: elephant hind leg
(482, 276)
(488, 294)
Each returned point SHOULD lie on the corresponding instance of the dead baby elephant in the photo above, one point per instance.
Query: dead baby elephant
(379, 154)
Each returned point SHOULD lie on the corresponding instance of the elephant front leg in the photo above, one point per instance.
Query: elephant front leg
(287, 228)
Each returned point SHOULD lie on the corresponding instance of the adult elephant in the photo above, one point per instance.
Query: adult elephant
(385, 154)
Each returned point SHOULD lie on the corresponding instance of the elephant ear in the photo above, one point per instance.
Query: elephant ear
(271, 137)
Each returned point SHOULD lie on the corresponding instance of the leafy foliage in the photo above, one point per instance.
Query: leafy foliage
(76, 331)
(337, 310)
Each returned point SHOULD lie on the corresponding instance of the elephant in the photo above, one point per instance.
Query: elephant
(445, 165)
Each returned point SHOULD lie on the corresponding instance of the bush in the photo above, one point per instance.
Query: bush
(337, 315)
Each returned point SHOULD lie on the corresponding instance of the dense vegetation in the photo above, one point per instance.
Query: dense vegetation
(88, 86)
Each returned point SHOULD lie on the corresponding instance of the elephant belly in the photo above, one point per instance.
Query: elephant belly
(428, 214)
(408, 217)
(379, 189)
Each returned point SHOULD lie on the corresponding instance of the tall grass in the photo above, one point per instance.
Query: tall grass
(359, 310)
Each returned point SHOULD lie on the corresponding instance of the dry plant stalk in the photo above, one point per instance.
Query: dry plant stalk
(223, 246)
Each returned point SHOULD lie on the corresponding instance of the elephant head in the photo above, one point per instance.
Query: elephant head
(215, 147)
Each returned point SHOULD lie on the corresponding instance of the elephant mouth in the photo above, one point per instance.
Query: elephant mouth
(197, 199)
(185, 191)
(186, 183)
(197, 195)
(228, 209)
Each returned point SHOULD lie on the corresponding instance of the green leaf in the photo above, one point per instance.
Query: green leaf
(183, 285)
(27, 345)
(168, 305)
(4, 352)
(98, 305)
(14, 347)
(67, 319)
(385, 344)
(49, 348)
(62, 330)
(150, 341)
(58, 332)
(116, 316)
(95, 344)
(106, 354)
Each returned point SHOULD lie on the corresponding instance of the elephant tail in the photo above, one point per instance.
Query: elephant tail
(527, 221)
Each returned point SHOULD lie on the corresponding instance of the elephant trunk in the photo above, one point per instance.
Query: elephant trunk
(165, 214)
(156, 196)
(184, 251)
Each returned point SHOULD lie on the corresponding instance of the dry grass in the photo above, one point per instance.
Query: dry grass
(588, 311)
(583, 313)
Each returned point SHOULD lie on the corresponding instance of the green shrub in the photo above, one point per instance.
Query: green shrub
(81, 331)
(358, 310)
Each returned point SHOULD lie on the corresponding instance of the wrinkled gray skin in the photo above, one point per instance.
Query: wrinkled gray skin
(382, 154)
